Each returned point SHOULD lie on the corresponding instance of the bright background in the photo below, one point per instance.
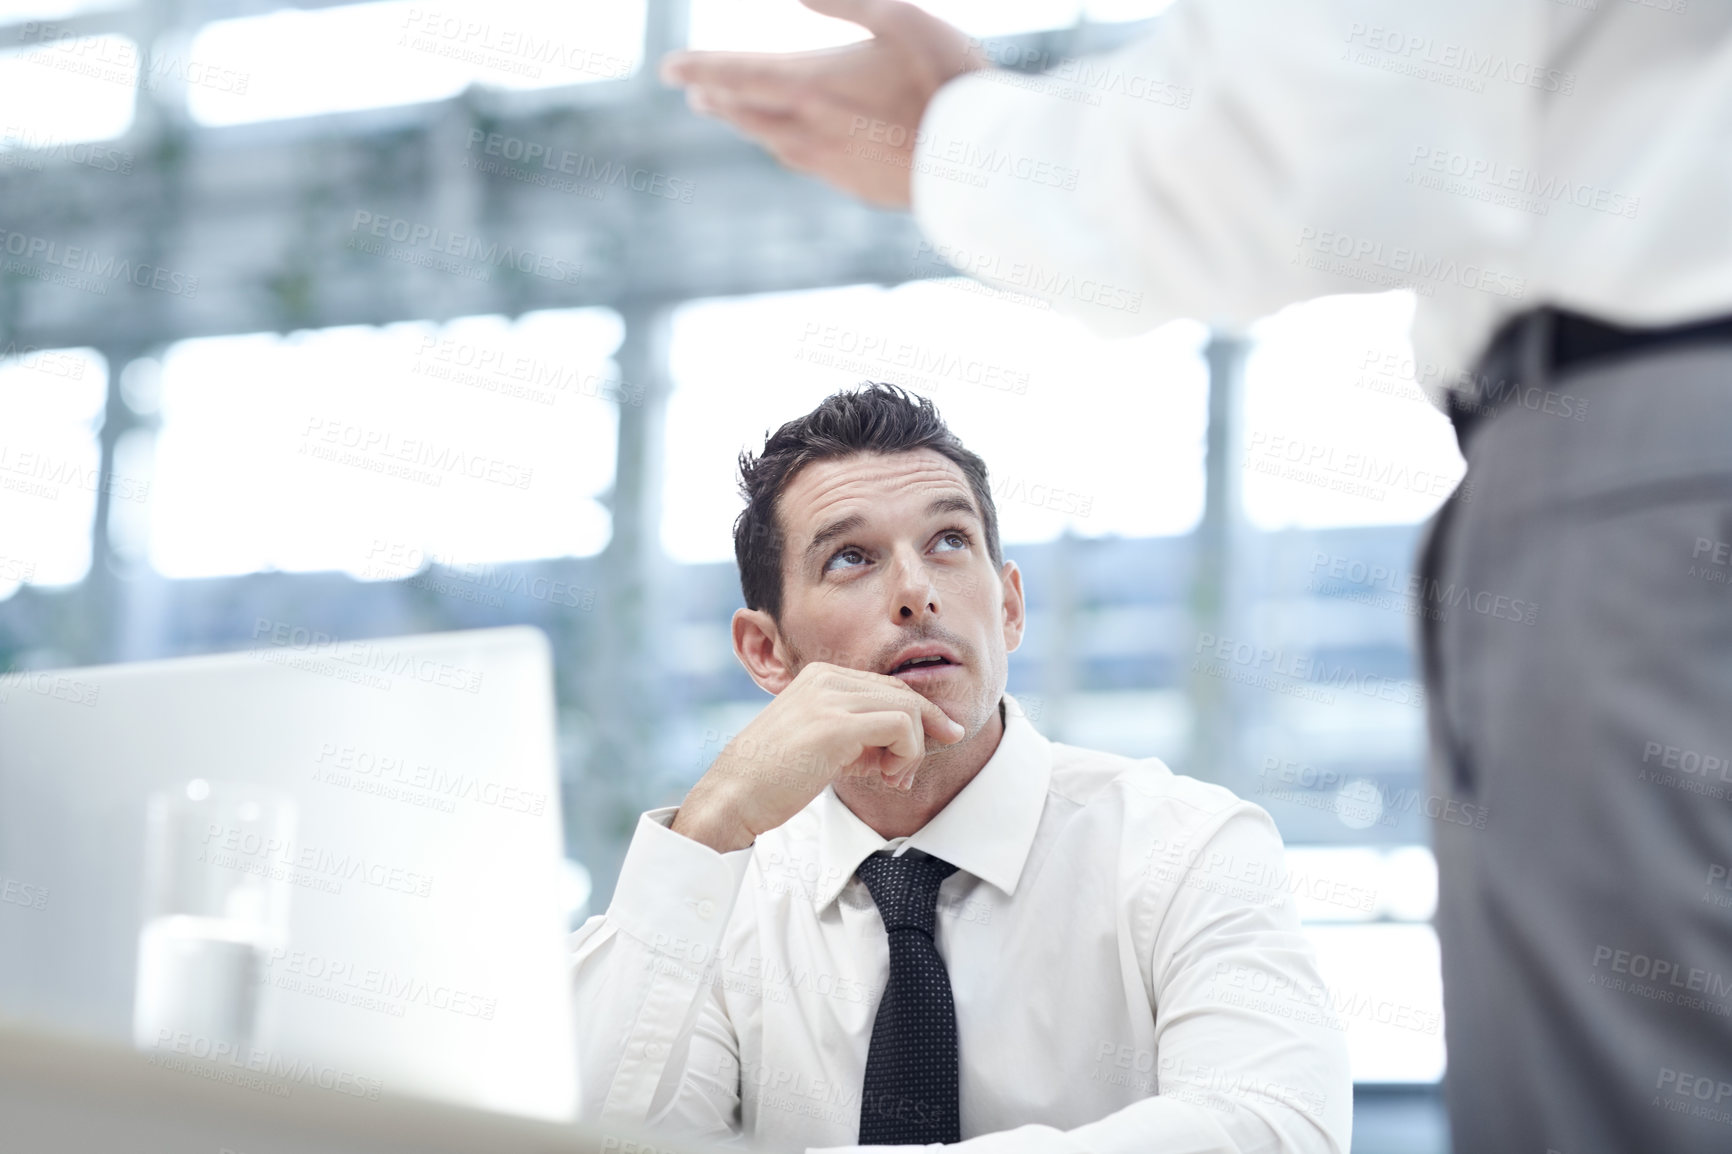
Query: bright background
(159, 495)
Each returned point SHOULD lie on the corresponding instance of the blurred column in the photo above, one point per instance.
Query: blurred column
(666, 28)
(1060, 672)
(624, 678)
(623, 681)
(1216, 583)
(161, 136)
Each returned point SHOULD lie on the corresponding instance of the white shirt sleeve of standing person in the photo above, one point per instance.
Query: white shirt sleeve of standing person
(1240, 158)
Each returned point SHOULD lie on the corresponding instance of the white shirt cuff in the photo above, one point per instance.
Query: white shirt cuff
(675, 894)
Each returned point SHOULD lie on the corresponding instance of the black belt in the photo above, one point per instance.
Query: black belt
(1574, 340)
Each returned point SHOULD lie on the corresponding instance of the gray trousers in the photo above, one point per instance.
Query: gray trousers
(1586, 929)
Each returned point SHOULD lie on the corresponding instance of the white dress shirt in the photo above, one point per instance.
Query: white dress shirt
(1493, 155)
(1127, 965)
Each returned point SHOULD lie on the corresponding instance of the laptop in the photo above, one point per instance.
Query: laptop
(318, 858)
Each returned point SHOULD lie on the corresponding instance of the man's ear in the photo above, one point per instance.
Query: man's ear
(1015, 608)
(758, 645)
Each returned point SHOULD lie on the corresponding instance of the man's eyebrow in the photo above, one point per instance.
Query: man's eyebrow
(952, 504)
(840, 527)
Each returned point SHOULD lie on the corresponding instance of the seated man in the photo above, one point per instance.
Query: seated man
(891, 912)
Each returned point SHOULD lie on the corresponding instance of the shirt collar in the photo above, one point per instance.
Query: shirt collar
(986, 830)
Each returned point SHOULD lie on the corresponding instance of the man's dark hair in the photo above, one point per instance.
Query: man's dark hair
(873, 418)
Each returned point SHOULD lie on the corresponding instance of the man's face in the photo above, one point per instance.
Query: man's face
(885, 558)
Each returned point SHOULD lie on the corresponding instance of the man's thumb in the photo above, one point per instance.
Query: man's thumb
(876, 16)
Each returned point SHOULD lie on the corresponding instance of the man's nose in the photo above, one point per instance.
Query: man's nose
(916, 590)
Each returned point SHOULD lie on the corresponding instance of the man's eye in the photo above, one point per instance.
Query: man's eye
(844, 553)
(960, 538)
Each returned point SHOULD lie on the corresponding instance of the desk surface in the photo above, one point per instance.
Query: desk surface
(60, 1095)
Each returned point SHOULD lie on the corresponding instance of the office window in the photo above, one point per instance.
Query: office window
(308, 62)
(1118, 11)
(25, 10)
(372, 450)
(1366, 911)
(58, 90)
(51, 403)
(784, 26)
(1337, 431)
(1120, 444)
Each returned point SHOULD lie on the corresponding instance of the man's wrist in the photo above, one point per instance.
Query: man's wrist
(709, 824)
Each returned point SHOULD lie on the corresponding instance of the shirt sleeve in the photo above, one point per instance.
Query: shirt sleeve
(655, 1046)
(1249, 1056)
(1241, 157)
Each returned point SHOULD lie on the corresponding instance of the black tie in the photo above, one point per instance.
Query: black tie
(909, 1095)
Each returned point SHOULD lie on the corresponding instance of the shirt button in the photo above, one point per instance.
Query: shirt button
(706, 909)
(653, 1050)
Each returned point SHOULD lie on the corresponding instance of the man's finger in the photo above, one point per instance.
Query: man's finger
(876, 16)
(785, 136)
(767, 80)
(894, 732)
(938, 724)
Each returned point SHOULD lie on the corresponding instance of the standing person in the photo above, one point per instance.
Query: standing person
(1550, 177)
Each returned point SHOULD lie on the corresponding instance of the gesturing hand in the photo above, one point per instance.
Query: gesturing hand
(847, 115)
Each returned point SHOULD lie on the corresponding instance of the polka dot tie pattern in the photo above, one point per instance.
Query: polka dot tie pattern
(910, 1091)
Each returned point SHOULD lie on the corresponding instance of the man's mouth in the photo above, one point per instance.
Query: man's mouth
(921, 666)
